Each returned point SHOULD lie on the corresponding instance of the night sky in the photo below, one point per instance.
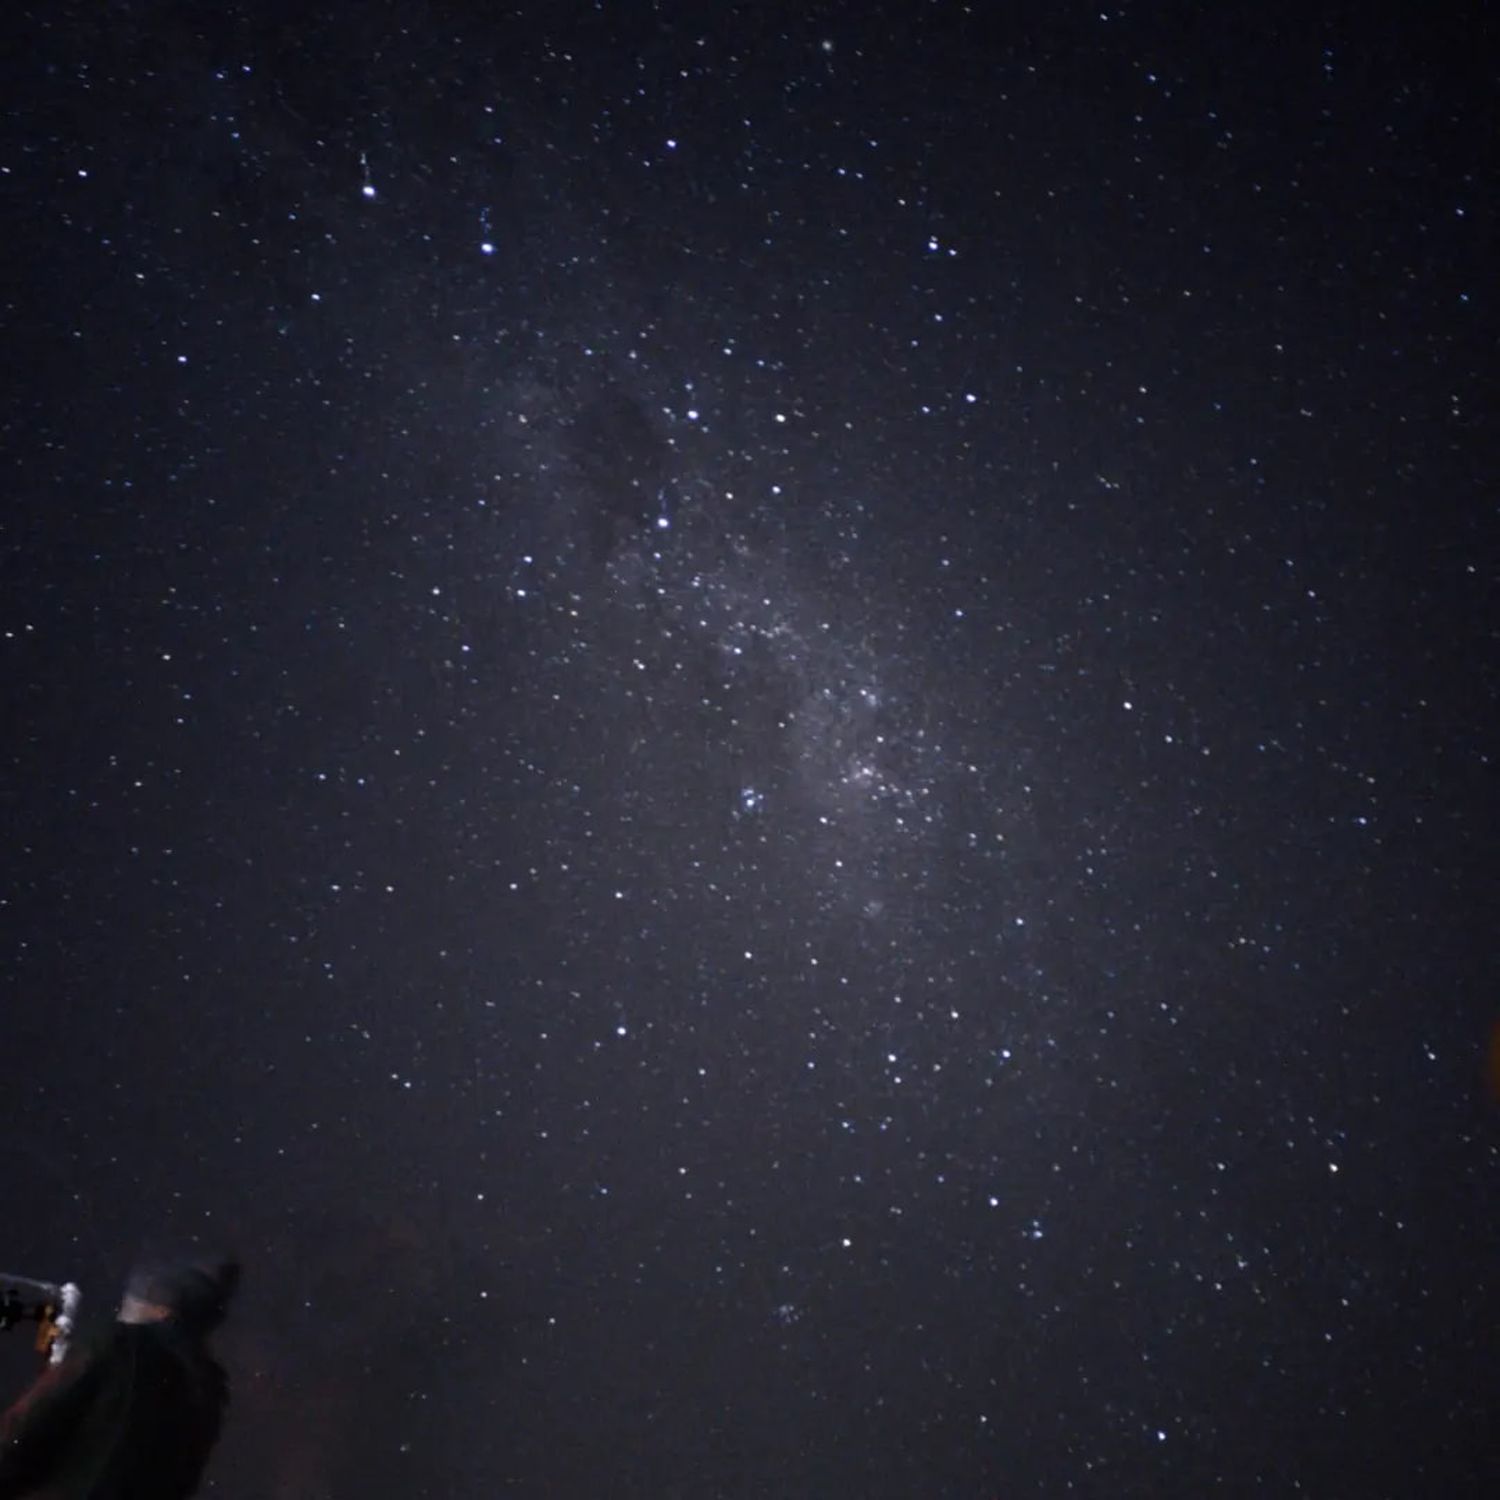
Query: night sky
(758, 736)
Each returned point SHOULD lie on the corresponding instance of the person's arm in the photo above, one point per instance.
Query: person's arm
(34, 1433)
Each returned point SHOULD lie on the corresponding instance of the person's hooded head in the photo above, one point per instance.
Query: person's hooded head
(193, 1293)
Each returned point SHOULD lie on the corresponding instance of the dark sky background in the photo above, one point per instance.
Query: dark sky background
(758, 736)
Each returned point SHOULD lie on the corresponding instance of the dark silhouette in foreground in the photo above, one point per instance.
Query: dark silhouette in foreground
(134, 1412)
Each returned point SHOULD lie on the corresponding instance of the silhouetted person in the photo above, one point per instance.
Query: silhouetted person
(133, 1413)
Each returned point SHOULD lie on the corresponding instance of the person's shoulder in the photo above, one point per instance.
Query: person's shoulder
(96, 1353)
(191, 1351)
(92, 1345)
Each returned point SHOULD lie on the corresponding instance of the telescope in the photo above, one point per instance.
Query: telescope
(52, 1306)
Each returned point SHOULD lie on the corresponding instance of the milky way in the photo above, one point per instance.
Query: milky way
(764, 677)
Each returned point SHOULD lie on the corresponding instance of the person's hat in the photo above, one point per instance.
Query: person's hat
(197, 1292)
